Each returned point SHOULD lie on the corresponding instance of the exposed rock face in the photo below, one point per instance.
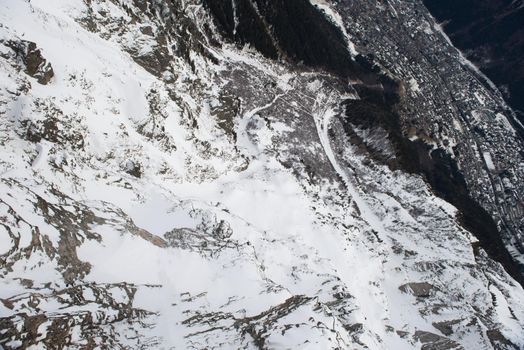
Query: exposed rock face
(431, 341)
(418, 289)
(35, 65)
(175, 188)
(33, 328)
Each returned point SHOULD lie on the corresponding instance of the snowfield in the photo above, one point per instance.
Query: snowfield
(145, 210)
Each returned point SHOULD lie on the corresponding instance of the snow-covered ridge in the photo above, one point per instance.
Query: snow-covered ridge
(212, 200)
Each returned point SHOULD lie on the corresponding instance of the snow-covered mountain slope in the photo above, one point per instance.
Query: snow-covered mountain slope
(163, 188)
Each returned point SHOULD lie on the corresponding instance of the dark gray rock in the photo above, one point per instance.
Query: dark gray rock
(418, 289)
(433, 341)
(35, 65)
(222, 230)
(446, 327)
(133, 168)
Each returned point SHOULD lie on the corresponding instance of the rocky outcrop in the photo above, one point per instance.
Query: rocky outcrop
(432, 341)
(418, 289)
(177, 189)
(103, 316)
(35, 65)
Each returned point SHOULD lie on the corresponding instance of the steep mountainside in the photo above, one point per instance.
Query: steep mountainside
(254, 174)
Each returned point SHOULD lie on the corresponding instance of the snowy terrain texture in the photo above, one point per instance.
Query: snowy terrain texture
(162, 188)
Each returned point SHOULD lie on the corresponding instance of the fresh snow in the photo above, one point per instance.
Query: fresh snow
(344, 243)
